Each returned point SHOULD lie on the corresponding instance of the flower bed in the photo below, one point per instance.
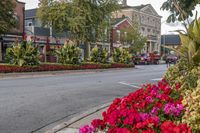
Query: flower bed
(56, 67)
(151, 109)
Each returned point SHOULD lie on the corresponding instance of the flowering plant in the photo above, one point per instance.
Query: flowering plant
(148, 110)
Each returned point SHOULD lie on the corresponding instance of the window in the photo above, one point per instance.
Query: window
(143, 29)
(118, 36)
(30, 23)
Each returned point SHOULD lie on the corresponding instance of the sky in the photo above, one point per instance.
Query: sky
(165, 29)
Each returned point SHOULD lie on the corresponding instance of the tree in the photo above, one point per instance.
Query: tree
(7, 16)
(180, 9)
(83, 18)
(134, 38)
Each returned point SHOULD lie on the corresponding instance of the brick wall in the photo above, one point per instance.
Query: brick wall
(19, 11)
(120, 27)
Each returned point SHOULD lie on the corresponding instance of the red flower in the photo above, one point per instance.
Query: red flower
(178, 86)
(97, 123)
(158, 105)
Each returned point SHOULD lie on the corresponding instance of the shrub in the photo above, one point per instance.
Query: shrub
(99, 55)
(122, 55)
(68, 54)
(180, 73)
(192, 113)
(23, 54)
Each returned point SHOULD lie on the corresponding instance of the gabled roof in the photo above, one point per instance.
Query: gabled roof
(117, 21)
(142, 8)
(31, 13)
(135, 7)
(170, 40)
(20, 2)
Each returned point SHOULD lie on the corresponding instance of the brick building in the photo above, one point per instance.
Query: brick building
(118, 25)
(148, 21)
(16, 33)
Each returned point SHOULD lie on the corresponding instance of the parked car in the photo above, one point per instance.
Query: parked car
(172, 58)
(147, 59)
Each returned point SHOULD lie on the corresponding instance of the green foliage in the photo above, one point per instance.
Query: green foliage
(180, 9)
(23, 54)
(192, 113)
(7, 16)
(134, 39)
(99, 55)
(122, 55)
(82, 18)
(181, 73)
(69, 54)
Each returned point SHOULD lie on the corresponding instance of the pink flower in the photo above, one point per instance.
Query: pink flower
(155, 110)
(144, 116)
(171, 109)
(86, 129)
(149, 99)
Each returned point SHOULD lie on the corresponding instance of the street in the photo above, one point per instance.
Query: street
(35, 104)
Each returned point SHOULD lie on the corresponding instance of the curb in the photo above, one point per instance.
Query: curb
(52, 73)
(78, 118)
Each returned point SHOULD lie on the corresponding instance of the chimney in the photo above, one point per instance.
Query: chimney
(124, 2)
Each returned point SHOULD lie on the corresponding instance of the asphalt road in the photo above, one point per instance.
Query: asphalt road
(36, 104)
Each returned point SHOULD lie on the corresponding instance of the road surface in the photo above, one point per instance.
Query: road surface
(36, 104)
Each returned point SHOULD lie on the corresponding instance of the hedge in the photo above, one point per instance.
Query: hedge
(57, 67)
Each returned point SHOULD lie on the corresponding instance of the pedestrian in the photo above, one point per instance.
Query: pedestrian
(168, 63)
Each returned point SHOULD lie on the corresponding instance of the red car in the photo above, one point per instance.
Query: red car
(147, 59)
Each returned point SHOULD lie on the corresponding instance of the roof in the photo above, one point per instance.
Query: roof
(20, 2)
(140, 7)
(31, 13)
(135, 7)
(170, 40)
(116, 21)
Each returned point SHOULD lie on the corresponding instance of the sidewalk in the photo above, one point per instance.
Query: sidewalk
(73, 125)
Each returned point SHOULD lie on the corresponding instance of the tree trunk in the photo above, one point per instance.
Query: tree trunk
(87, 50)
(1, 46)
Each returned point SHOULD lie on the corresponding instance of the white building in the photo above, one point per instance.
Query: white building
(149, 23)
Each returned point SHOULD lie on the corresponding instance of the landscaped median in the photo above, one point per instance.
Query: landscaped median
(58, 67)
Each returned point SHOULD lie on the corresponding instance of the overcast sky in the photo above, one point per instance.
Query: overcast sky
(166, 28)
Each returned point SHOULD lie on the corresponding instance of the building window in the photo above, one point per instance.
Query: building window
(143, 29)
(118, 35)
(30, 23)
(149, 30)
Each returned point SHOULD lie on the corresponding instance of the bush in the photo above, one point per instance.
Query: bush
(23, 54)
(69, 54)
(181, 73)
(99, 55)
(192, 113)
(153, 108)
(122, 55)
